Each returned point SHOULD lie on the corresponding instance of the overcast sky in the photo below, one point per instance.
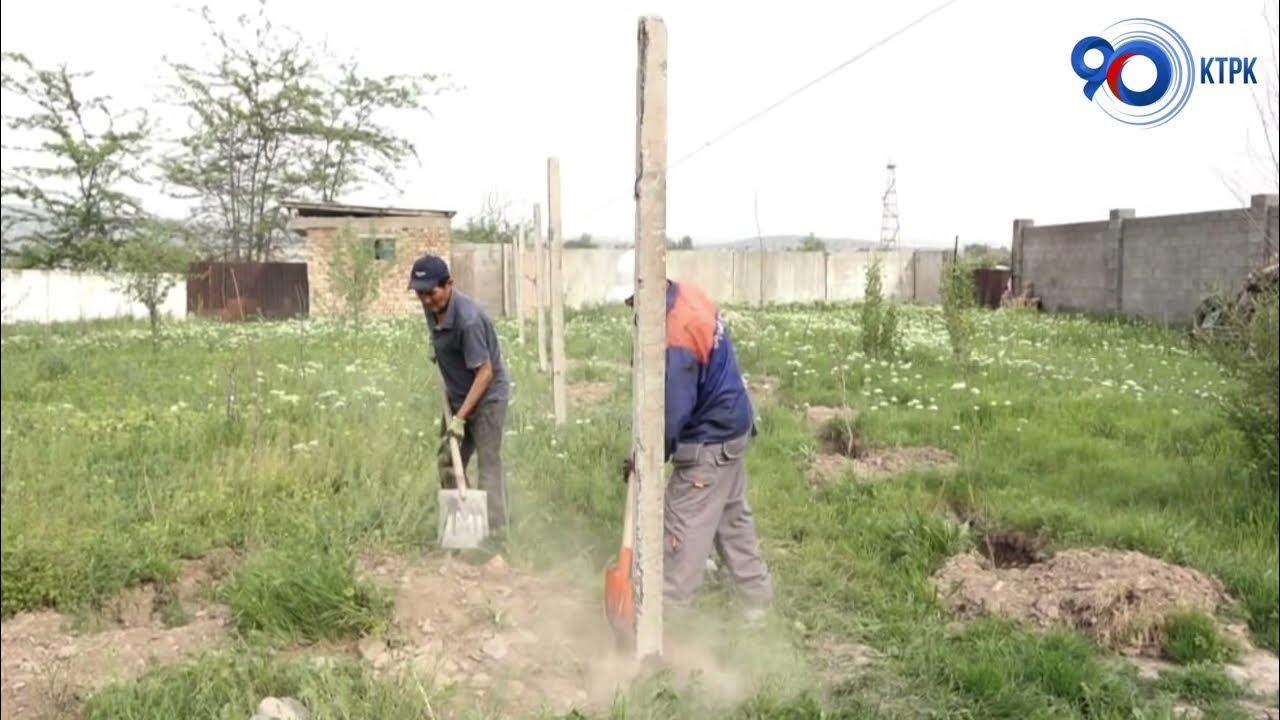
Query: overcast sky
(978, 106)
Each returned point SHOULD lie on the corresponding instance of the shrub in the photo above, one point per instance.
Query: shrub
(959, 298)
(1192, 637)
(1247, 347)
(305, 594)
(879, 323)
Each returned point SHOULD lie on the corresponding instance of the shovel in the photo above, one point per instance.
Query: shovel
(619, 597)
(463, 513)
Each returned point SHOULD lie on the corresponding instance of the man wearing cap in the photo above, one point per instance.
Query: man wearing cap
(467, 352)
(709, 422)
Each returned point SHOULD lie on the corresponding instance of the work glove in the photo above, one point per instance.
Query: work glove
(457, 427)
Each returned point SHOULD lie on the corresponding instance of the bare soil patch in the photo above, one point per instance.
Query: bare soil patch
(820, 416)
(590, 393)
(878, 463)
(763, 387)
(843, 450)
(1119, 598)
(47, 670)
(519, 643)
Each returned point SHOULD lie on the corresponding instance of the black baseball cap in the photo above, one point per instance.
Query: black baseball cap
(427, 272)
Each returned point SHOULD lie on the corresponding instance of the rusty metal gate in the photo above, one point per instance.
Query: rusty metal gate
(991, 283)
(247, 290)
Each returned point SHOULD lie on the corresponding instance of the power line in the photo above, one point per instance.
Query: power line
(761, 113)
(777, 103)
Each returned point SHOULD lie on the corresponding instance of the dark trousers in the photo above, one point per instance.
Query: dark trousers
(483, 437)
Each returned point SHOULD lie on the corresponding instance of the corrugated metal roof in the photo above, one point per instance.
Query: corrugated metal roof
(302, 208)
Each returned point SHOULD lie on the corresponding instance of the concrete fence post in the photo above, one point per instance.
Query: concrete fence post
(1262, 239)
(1114, 261)
(1020, 227)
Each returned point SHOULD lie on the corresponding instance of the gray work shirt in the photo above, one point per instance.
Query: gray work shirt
(463, 340)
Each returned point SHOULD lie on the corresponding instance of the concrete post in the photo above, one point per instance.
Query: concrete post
(559, 393)
(519, 261)
(540, 280)
(1113, 245)
(1016, 271)
(504, 257)
(649, 346)
(1262, 238)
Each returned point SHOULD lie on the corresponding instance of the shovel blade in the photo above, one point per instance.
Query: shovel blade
(463, 518)
(619, 598)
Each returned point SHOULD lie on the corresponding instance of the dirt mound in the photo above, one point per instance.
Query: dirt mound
(521, 643)
(878, 463)
(590, 393)
(46, 669)
(1011, 549)
(820, 416)
(1119, 598)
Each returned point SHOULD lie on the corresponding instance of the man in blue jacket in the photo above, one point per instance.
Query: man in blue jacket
(709, 422)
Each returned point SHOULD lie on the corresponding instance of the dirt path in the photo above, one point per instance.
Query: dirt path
(488, 638)
(523, 643)
(46, 670)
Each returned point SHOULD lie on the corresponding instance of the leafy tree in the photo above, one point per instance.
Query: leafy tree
(959, 300)
(267, 124)
(355, 275)
(349, 146)
(151, 263)
(879, 319)
(249, 116)
(489, 225)
(70, 210)
(584, 241)
(982, 255)
(812, 244)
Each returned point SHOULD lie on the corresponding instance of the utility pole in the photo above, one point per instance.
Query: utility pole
(559, 393)
(540, 280)
(649, 345)
(519, 261)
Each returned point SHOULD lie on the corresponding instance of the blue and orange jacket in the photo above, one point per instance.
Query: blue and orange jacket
(707, 401)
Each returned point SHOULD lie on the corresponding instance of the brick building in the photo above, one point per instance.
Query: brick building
(394, 236)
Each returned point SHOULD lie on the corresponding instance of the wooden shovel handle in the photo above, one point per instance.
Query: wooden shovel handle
(456, 454)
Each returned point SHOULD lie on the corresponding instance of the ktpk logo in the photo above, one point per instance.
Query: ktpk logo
(1170, 57)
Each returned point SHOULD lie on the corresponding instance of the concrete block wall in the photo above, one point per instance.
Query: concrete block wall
(1172, 262)
(1156, 268)
(728, 276)
(477, 270)
(1067, 265)
(847, 274)
(926, 276)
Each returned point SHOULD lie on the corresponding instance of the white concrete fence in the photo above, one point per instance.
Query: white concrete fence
(47, 296)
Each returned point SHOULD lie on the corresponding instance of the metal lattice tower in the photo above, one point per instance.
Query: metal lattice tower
(889, 215)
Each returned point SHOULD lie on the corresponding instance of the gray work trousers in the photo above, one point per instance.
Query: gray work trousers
(706, 506)
(483, 437)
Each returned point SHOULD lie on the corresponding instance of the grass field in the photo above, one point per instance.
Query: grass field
(304, 445)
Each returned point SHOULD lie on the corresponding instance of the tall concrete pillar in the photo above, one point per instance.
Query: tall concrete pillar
(1016, 271)
(1262, 234)
(1114, 262)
